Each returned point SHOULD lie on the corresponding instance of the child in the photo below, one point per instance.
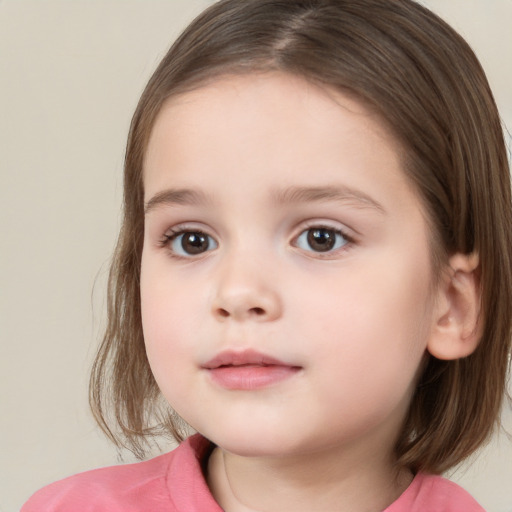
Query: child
(313, 269)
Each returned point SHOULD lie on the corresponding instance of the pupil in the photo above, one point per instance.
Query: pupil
(321, 240)
(194, 243)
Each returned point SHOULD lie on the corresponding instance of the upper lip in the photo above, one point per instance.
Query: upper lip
(244, 357)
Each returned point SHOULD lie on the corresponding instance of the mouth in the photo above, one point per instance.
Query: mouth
(248, 370)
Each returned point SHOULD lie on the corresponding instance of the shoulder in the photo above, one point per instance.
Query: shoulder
(148, 485)
(170, 482)
(113, 488)
(435, 494)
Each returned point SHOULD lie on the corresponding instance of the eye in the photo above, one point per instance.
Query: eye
(190, 243)
(320, 239)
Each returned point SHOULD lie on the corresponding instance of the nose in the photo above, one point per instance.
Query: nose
(246, 292)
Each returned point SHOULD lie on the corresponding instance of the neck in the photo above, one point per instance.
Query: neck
(327, 480)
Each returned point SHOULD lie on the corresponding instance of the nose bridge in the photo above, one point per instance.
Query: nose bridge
(245, 288)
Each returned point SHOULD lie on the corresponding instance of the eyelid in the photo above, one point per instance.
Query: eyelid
(185, 226)
(320, 223)
(346, 233)
(174, 232)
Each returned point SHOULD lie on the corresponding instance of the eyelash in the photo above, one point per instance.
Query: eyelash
(172, 235)
(348, 240)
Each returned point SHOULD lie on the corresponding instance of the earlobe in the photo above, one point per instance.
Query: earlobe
(457, 322)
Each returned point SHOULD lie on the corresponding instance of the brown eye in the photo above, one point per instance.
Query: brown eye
(192, 243)
(321, 239)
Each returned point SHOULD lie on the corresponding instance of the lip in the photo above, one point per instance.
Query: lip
(248, 370)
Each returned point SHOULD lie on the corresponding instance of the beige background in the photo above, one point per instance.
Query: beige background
(70, 75)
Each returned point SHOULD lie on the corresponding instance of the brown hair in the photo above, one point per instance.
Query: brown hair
(422, 78)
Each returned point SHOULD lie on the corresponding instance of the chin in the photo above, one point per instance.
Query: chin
(258, 444)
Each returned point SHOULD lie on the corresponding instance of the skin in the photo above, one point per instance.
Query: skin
(357, 320)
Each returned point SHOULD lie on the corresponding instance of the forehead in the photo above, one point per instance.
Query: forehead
(274, 120)
(291, 94)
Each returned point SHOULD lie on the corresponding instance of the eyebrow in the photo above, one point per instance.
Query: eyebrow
(290, 195)
(172, 197)
(325, 194)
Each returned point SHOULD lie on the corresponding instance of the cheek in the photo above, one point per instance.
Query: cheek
(166, 326)
(162, 320)
(169, 356)
(371, 326)
(172, 332)
(369, 307)
(163, 298)
(175, 328)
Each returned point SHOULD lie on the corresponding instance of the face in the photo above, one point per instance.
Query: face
(286, 278)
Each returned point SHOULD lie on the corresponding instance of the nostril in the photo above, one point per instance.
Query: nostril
(241, 311)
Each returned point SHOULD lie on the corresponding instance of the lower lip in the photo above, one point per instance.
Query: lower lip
(251, 377)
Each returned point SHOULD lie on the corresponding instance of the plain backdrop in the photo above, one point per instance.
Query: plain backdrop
(71, 73)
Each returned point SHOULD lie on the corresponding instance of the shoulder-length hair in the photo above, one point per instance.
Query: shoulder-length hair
(424, 81)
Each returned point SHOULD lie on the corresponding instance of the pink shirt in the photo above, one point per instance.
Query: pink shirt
(174, 482)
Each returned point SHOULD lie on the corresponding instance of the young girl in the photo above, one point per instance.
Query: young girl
(313, 269)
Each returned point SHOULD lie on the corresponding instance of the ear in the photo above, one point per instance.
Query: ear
(457, 325)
